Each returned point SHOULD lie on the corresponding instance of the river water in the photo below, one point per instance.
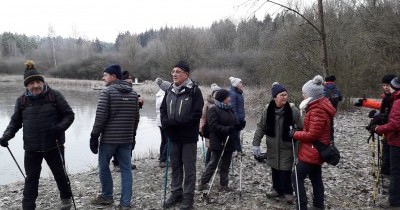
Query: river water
(78, 156)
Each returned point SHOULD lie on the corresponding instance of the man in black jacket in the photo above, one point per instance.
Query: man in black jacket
(117, 118)
(44, 115)
(181, 111)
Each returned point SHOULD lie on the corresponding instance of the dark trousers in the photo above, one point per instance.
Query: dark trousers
(394, 188)
(33, 167)
(385, 169)
(115, 159)
(236, 140)
(213, 164)
(163, 146)
(282, 182)
(314, 173)
(208, 156)
(183, 164)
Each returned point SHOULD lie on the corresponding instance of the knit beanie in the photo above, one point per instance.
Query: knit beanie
(114, 69)
(214, 88)
(183, 65)
(235, 81)
(31, 74)
(331, 78)
(395, 83)
(125, 75)
(276, 89)
(314, 88)
(162, 84)
(221, 95)
(388, 78)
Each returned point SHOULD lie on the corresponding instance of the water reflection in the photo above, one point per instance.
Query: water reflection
(78, 155)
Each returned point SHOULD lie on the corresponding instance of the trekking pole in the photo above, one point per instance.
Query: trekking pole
(15, 160)
(295, 173)
(204, 149)
(240, 171)
(166, 173)
(374, 173)
(65, 173)
(216, 169)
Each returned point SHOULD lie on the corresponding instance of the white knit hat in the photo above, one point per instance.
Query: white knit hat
(235, 81)
(314, 88)
(215, 87)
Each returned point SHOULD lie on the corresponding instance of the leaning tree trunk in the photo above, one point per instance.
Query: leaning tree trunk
(325, 66)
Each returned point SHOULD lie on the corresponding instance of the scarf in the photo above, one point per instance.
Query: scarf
(30, 95)
(287, 120)
(222, 105)
(303, 105)
(186, 83)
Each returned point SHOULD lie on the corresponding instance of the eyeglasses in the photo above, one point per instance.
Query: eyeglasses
(177, 72)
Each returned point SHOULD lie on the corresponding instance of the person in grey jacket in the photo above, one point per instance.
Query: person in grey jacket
(181, 111)
(115, 125)
(275, 123)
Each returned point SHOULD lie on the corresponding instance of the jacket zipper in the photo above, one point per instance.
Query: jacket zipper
(180, 108)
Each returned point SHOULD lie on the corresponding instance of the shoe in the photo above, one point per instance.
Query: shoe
(133, 166)
(272, 194)
(173, 200)
(225, 189)
(162, 164)
(120, 207)
(202, 187)
(100, 200)
(66, 204)
(187, 204)
(289, 198)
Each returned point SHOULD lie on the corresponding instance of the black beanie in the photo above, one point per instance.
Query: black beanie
(183, 65)
(331, 78)
(221, 95)
(114, 69)
(31, 74)
(276, 89)
(125, 75)
(395, 83)
(388, 78)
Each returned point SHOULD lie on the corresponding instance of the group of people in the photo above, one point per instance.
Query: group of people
(292, 134)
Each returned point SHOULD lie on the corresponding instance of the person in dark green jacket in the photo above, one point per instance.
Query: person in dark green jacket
(275, 123)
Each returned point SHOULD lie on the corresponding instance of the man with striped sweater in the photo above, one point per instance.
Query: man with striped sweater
(114, 131)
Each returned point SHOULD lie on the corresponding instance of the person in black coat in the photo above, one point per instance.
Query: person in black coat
(222, 123)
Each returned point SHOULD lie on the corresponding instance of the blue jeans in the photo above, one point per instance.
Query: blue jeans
(123, 153)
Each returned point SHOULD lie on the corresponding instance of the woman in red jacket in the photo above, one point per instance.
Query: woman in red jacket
(319, 113)
(392, 131)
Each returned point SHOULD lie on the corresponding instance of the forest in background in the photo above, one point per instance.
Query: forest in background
(363, 42)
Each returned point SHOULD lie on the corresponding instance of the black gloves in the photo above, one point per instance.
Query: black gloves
(3, 142)
(359, 102)
(94, 144)
(291, 133)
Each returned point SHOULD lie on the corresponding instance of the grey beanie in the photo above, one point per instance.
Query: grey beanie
(314, 88)
(164, 85)
(395, 83)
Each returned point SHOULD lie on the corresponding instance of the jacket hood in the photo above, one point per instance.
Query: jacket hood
(122, 86)
(210, 99)
(324, 104)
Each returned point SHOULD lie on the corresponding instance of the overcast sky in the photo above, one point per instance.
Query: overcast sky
(103, 19)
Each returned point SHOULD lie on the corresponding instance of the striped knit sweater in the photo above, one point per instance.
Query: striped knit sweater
(117, 114)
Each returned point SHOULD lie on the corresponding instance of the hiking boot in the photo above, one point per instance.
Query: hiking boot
(100, 200)
(66, 204)
(225, 189)
(173, 200)
(289, 198)
(162, 164)
(273, 194)
(120, 207)
(187, 204)
(202, 187)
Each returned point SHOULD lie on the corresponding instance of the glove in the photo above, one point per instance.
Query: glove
(141, 102)
(360, 102)
(94, 144)
(3, 142)
(372, 114)
(373, 128)
(291, 133)
(256, 151)
(261, 158)
(242, 124)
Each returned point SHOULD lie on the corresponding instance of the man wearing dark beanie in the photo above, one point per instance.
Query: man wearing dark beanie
(181, 111)
(44, 115)
(391, 131)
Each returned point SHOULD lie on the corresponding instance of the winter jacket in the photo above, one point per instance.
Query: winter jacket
(332, 93)
(279, 152)
(222, 123)
(44, 119)
(181, 113)
(319, 114)
(392, 128)
(209, 103)
(117, 114)
(159, 98)
(237, 102)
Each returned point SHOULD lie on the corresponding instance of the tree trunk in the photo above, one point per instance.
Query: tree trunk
(325, 66)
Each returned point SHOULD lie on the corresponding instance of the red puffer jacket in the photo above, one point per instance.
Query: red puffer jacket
(317, 123)
(392, 128)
